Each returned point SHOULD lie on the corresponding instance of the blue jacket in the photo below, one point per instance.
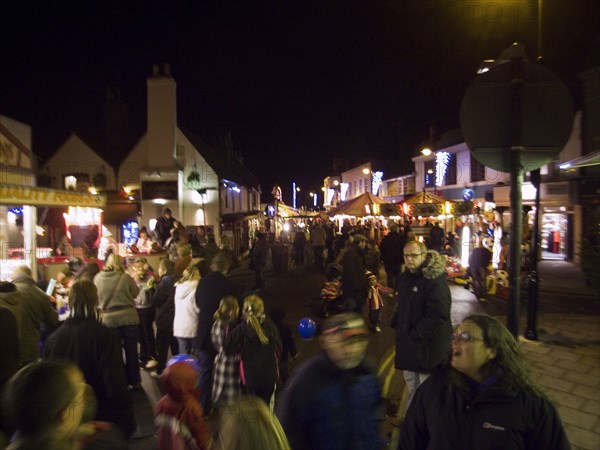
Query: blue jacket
(324, 407)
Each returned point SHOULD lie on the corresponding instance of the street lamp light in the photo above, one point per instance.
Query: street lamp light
(431, 172)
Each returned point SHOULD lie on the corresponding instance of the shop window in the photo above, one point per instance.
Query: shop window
(76, 181)
(477, 170)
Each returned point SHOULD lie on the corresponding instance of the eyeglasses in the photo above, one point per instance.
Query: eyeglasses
(465, 336)
(412, 255)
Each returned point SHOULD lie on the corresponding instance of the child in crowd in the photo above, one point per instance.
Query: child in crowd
(257, 340)
(375, 300)
(178, 416)
(226, 372)
(185, 324)
(288, 344)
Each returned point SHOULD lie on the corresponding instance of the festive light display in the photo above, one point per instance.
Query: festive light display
(377, 181)
(442, 160)
(344, 190)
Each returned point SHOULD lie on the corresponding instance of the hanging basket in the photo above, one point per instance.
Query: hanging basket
(99, 180)
(193, 180)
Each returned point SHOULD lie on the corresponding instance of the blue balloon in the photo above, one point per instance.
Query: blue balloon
(190, 360)
(307, 328)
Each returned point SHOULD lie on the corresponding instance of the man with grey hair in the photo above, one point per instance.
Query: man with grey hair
(211, 289)
(37, 315)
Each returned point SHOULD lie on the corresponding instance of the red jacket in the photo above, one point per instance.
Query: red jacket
(178, 415)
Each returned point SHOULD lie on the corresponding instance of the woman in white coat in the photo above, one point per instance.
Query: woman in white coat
(185, 324)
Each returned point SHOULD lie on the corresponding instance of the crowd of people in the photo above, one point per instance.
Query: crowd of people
(469, 386)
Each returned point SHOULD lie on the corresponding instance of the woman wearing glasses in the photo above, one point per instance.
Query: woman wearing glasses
(483, 397)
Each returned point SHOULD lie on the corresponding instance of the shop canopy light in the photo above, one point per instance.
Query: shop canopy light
(82, 216)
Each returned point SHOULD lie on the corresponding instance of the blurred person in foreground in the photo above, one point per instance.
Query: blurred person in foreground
(247, 424)
(178, 416)
(482, 397)
(49, 404)
(96, 350)
(333, 399)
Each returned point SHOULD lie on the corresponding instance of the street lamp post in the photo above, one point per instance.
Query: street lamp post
(426, 152)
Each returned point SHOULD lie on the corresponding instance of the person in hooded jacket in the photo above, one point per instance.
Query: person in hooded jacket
(422, 315)
(178, 416)
(258, 342)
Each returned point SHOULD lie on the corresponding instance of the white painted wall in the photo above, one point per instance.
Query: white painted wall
(75, 156)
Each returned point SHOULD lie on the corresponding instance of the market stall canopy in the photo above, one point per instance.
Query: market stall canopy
(427, 204)
(284, 210)
(426, 197)
(363, 205)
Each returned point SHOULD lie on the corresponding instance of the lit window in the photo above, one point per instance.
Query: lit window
(71, 182)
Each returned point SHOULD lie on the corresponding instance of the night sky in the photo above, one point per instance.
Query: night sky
(296, 83)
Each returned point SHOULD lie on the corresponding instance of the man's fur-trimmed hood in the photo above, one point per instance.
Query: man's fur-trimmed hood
(434, 266)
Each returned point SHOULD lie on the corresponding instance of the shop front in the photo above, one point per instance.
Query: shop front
(19, 238)
(560, 224)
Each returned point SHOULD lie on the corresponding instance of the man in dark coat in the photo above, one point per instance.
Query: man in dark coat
(163, 299)
(480, 259)
(354, 282)
(391, 254)
(38, 317)
(260, 254)
(163, 226)
(436, 237)
(211, 289)
(422, 316)
(96, 350)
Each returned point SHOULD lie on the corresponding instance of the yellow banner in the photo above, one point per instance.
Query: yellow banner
(35, 196)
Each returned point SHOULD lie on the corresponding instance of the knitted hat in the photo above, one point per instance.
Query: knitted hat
(345, 325)
(371, 278)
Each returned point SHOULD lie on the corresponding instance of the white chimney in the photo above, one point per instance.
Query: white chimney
(162, 118)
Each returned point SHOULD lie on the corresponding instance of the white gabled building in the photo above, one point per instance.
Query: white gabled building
(75, 165)
(171, 167)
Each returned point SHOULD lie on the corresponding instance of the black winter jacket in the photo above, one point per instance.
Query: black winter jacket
(422, 317)
(442, 416)
(96, 350)
(392, 247)
(163, 298)
(354, 281)
(259, 360)
(211, 289)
